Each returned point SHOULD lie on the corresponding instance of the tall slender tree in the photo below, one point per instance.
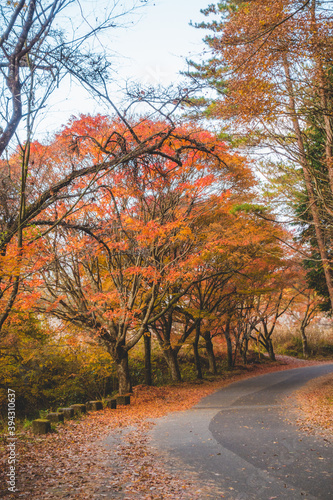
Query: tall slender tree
(270, 66)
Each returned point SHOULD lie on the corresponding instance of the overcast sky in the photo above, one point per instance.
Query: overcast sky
(156, 47)
(152, 50)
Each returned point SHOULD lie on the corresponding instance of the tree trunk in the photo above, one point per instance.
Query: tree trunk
(120, 357)
(196, 352)
(172, 362)
(243, 349)
(313, 208)
(210, 354)
(304, 342)
(237, 345)
(169, 353)
(124, 379)
(325, 98)
(229, 345)
(147, 344)
(270, 349)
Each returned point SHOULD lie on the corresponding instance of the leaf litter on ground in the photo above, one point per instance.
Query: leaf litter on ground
(74, 463)
(315, 400)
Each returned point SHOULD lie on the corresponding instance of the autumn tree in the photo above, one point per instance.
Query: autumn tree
(306, 307)
(236, 241)
(205, 299)
(272, 301)
(37, 57)
(240, 245)
(184, 322)
(271, 68)
(252, 294)
(136, 233)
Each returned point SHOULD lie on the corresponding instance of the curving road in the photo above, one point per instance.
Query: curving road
(241, 440)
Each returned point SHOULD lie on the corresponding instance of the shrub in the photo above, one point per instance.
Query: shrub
(47, 372)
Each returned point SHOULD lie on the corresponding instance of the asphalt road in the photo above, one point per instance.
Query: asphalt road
(242, 440)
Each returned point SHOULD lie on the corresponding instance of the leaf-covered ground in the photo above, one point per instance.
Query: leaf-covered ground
(315, 400)
(106, 454)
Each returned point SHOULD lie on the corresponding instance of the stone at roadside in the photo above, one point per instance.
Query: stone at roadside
(79, 409)
(94, 405)
(41, 426)
(67, 412)
(111, 403)
(55, 417)
(123, 399)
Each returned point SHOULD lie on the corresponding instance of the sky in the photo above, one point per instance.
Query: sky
(156, 47)
(151, 49)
